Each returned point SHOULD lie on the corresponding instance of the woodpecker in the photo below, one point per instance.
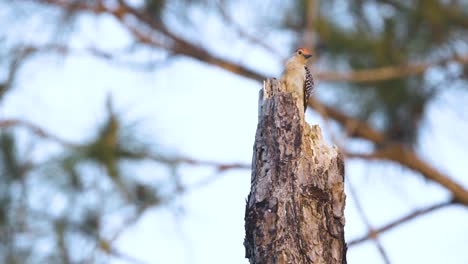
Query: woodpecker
(297, 77)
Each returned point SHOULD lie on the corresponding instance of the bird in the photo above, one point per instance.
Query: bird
(296, 76)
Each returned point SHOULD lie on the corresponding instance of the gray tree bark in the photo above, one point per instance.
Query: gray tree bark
(295, 209)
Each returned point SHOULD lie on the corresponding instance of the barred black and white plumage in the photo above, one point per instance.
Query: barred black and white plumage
(297, 78)
(308, 86)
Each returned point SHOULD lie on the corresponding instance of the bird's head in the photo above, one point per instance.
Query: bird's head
(302, 55)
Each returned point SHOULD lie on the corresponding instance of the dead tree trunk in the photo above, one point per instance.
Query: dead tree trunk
(294, 212)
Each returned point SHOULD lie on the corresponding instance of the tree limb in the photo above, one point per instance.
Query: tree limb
(409, 159)
(373, 233)
(389, 72)
(5, 123)
(366, 221)
(181, 46)
(41, 132)
(218, 165)
(358, 128)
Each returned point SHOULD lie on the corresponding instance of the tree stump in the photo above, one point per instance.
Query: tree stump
(295, 209)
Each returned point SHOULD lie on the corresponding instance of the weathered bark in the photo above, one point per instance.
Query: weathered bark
(295, 209)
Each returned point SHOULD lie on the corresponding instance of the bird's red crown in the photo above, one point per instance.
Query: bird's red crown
(304, 51)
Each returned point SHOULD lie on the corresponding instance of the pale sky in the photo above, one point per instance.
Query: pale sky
(203, 112)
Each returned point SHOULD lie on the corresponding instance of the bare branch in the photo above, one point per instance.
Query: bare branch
(98, 53)
(177, 45)
(357, 128)
(308, 35)
(353, 126)
(19, 56)
(366, 221)
(388, 73)
(243, 32)
(5, 123)
(41, 132)
(393, 152)
(402, 220)
(408, 158)
(183, 160)
(181, 46)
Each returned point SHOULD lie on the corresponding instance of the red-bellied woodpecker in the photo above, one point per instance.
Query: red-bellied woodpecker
(297, 77)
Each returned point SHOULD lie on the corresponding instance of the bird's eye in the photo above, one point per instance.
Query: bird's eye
(300, 52)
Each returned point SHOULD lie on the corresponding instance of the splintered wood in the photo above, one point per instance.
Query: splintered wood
(295, 209)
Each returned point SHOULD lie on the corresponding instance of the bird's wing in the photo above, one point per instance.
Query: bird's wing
(308, 86)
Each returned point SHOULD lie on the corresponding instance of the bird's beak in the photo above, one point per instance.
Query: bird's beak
(307, 56)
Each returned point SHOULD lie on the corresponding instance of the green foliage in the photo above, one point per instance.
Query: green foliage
(11, 165)
(398, 33)
(90, 179)
(104, 149)
(113, 144)
(154, 8)
(12, 170)
(74, 176)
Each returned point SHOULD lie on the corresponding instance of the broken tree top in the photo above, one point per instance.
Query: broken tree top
(295, 209)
